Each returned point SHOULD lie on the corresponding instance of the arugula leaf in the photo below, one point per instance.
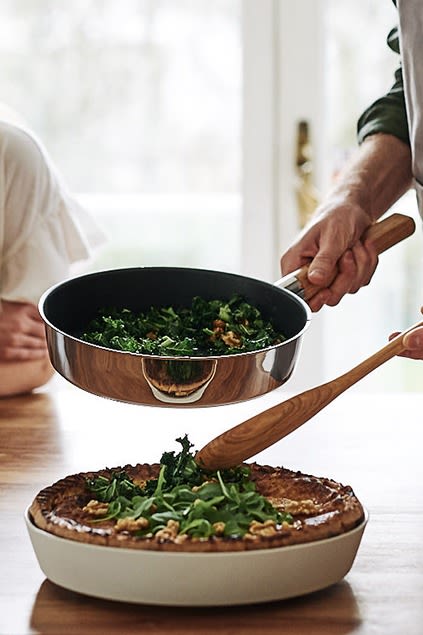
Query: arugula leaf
(204, 504)
(119, 484)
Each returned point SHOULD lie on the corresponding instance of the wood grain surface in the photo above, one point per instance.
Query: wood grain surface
(371, 442)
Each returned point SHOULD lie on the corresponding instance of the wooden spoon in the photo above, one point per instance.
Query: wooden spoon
(256, 434)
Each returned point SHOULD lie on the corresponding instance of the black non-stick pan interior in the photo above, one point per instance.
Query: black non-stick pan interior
(71, 305)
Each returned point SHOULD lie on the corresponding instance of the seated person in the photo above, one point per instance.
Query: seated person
(43, 231)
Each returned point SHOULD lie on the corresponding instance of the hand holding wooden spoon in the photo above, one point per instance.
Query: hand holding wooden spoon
(413, 343)
(263, 430)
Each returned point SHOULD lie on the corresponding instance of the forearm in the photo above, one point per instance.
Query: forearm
(22, 377)
(376, 177)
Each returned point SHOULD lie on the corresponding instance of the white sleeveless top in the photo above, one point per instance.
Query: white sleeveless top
(43, 230)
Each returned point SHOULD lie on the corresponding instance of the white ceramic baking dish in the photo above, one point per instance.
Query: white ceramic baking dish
(194, 579)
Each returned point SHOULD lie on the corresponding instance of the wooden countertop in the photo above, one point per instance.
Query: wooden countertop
(371, 442)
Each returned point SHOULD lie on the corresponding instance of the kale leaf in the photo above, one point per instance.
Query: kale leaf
(207, 327)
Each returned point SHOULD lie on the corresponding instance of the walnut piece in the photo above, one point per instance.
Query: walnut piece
(169, 532)
(232, 339)
(96, 508)
(131, 524)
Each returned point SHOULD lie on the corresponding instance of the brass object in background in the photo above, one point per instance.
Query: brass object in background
(306, 192)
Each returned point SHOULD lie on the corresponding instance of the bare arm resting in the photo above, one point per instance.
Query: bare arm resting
(24, 363)
(21, 377)
(22, 336)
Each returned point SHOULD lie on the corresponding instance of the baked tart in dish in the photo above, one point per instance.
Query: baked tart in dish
(175, 506)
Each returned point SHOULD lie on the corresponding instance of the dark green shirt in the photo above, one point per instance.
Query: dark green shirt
(387, 114)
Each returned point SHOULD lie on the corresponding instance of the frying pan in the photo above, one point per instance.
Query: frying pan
(68, 307)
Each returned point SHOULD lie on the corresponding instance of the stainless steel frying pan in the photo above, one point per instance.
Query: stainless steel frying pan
(68, 307)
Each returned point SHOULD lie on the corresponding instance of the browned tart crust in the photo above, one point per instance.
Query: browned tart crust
(321, 508)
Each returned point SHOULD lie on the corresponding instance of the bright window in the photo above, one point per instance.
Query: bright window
(175, 122)
(139, 104)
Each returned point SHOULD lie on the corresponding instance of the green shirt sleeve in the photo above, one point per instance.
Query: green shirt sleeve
(387, 114)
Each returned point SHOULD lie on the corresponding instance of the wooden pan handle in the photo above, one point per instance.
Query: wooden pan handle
(383, 235)
(263, 430)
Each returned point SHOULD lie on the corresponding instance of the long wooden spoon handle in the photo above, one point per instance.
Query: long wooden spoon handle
(383, 235)
(254, 435)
